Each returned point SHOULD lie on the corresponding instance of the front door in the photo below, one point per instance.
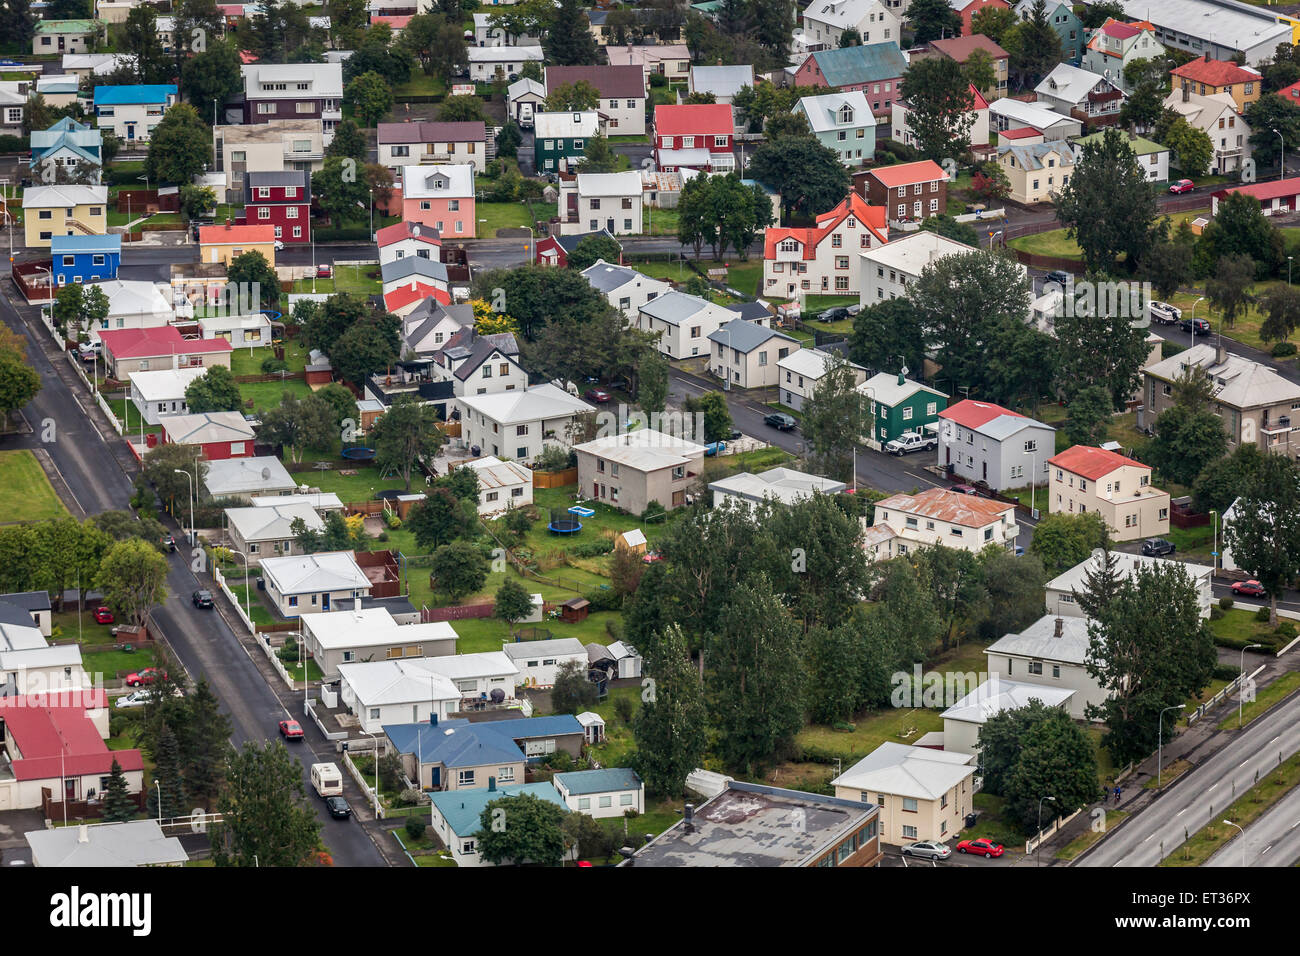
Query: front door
(325, 602)
(986, 471)
(609, 224)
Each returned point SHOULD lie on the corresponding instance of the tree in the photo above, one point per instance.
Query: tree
(716, 415)
(568, 40)
(1264, 536)
(521, 829)
(599, 156)
(652, 384)
(204, 739)
(950, 228)
(179, 146)
(440, 519)
(68, 10)
(1095, 14)
(1168, 265)
(1221, 481)
(979, 69)
(809, 177)
(1144, 107)
(459, 569)
(573, 692)
(509, 139)
(539, 295)
(572, 97)
(338, 533)
(889, 334)
(669, 727)
(835, 419)
(298, 424)
(251, 273)
(196, 201)
(140, 39)
(367, 348)
(1013, 587)
(1228, 291)
(1149, 649)
(1090, 413)
(753, 678)
(446, 52)
(19, 384)
(161, 465)
(17, 22)
(932, 20)
(513, 603)
(348, 22)
(1035, 749)
(993, 22)
(1281, 307)
(460, 109)
(1270, 113)
(1099, 344)
(988, 182)
(1192, 146)
(592, 248)
(403, 435)
(348, 142)
(119, 807)
(370, 97)
(167, 799)
(1107, 207)
(133, 579)
(214, 391)
(955, 582)
(938, 100)
(266, 820)
(1063, 540)
(1241, 228)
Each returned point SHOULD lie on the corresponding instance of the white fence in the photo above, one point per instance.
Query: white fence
(366, 788)
(1222, 695)
(230, 596)
(1035, 841)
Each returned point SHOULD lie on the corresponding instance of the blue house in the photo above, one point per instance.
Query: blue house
(70, 145)
(80, 259)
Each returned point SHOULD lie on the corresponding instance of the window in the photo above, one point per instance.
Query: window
(1056, 670)
(584, 803)
(909, 833)
(909, 805)
(907, 413)
(606, 801)
(625, 799)
(1036, 667)
(465, 778)
(291, 212)
(263, 212)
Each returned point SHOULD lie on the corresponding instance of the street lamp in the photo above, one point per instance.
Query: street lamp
(159, 787)
(1282, 165)
(1243, 840)
(376, 741)
(248, 605)
(1215, 553)
(1160, 743)
(1241, 680)
(1193, 318)
(1033, 470)
(1288, 269)
(1038, 849)
(190, 480)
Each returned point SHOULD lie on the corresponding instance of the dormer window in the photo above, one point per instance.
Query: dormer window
(846, 113)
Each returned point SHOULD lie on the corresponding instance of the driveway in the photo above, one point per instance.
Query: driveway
(13, 824)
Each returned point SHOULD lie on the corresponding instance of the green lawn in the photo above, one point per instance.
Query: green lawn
(1054, 242)
(420, 84)
(295, 670)
(1238, 627)
(130, 417)
(354, 279)
(25, 493)
(1264, 699)
(359, 487)
(64, 627)
(501, 215)
(1090, 836)
(993, 824)
(265, 395)
(814, 304)
(110, 663)
(741, 276)
(1040, 493)
(678, 270)
(897, 725)
(661, 222)
(626, 140)
(261, 615)
(249, 361)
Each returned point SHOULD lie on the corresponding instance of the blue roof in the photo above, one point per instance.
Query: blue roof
(861, 64)
(471, 744)
(66, 245)
(462, 809)
(598, 781)
(134, 95)
(551, 726)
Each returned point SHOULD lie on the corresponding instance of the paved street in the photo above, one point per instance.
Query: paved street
(1272, 840)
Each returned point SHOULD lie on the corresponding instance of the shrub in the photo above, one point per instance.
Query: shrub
(272, 365)
(1286, 631)
(415, 827)
(1262, 615)
(1226, 602)
(382, 536)
(289, 653)
(653, 510)
(1225, 672)
(624, 708)
(593, 549)
(657, 80)
(1216, 614)
(614, 628)
(408, 797)
(1283, 349)
(604, 599)
(394, 522)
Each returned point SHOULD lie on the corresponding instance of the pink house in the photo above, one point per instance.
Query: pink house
(441, 197)
(968, 8)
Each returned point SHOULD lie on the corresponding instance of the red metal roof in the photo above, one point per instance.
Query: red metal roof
(1273, 189)
(407, 230)
(905, 174)
(871, 217)
(1216, 72)
(229, 233)
(1023, 133)
(1290, 93)
(59, 741)
(163, 340)
(623, 82)
(954, 507)
(708, 119)
(972, 414)
(1091, 462)
(414, 293)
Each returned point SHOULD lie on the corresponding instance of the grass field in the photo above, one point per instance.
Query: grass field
(346, 279)
(501, 215)
(1238, 627)
(265, 395)
(1054, 242)
(1264, 699)
(130, 417)
(1090, 836)
(25, 492)
(896, 725)
(359, 487)
(249, 361)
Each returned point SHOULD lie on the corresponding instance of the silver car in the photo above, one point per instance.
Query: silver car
(928, 851)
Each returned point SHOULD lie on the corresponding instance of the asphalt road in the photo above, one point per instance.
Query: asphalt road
(1272, 840)
(1203, 794)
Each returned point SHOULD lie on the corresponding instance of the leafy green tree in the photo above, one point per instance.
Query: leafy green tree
(594, 247)
(214, 391)
(955, 582)
(348, 21)
(1240, 228)
(1107, 207)
(513, 603)
(197, 200)
(1229, 290)
(160, 470)
(538, 295)
(119, 807)
(599, 156)
(339, 191)
(809, 177)
(370, 98)
(652, 384)
(1191, 146)
(459, 569)
(17, 23)
(298, 424)
(460, 109)
(932, 20)
(1263, 535)
(19, 384)
(1281, 308)
(889, 335)
(140, 39)
(348, 142)
(949, 227)
(993, 22)
(1270, 113)
(1168, 265)
(204, 739)
(938, 99)
(1063, 540)
(573, 693)
(717, 415)
(521, 829)
(366, 349)
(250, 270)
(403, 435)
(835, 419)
(133, 579)
(338, 534)
(440, 519)
(832, 663)
(1090, 413)
(266, 820)
(1014, 591)
(1095, 14)
(1100, 345)
(670, 726)
(179, 146)
(980, 71)
(571, 97)
(1221, 481)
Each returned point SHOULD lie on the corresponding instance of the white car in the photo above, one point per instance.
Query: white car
(134, 699)
(911, 441)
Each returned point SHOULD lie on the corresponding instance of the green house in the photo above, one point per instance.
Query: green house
(899, 405)
(560, 138)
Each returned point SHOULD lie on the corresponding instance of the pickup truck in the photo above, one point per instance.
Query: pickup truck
(909, 442)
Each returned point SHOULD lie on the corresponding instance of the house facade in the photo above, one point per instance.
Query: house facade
(624, 288)
(906, 191)
(1118, 488)
(629, 471)
(1217, 116)
(622, 93)
(843, 123)
(501, 485)
(282, 200)
(923, 794)
(517, 425)
(217, 435)
(228, 242)
(694, 136)
(1073, 91)
(50, 211)
(684, 323)
(1069, 28)
(1061, 590)
(276, 146)
(294, 91)
(132, 112)
(950, 518)
(824, 23)
(887, 271)
(1208, 77)
(1114, 45)
(745, 355)
(960, 49)
(1151, 156)
(64, 36)
(1037, 173)
(978, 134)
(900, 405)
(325, 581)
(1052, 652)
(561, 138)
(150, 348)
(486, 63)
(162, 392)
(983, 442)
(822, 259)
(345, 634)
(800, 372)
(79, 259)
(590, 202)
(874, 69)
(441, 197)
(428, 143)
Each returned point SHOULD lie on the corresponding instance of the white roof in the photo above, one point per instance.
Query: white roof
(200, 429)
(164, 384)
(841, 14)
(1040, 641)
(810, 363)
(321, 501)
(535, 403)
(376, 683)
(559, 647)
(607, 277)
(523, 87)
(885, 388)
(564, 126)
(234, 476)
(643, 450)
(135, 297)
(1068, 83)
(822, 111)
(1238, 381)
(419, 182)
(326, 80)
(504, 54)
(913, 253)
(1031, 114)
(780, 484)
(46, 197)
(308, 573)
(722, 81)
(1203, 112)
(29, 658)
(137, 843)
(228, 323)
(368, 627)
(591, 719)
(685, 157)
(469, 666)
(495, 473)
(609, 184)
(1126, 566)
(1234, 25)
(634, 538)
(900, 770)
(99, 64)
(996, 695)
(272, 523)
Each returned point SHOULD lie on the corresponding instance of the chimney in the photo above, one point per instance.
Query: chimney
(227, 222)
(902, 379)
(1186, 93)
(356, 603)
(688, 817)
(83, 834)
(1207, 56)
(433, 719)
(1220, 354)
(492, 784)
(1060, 627)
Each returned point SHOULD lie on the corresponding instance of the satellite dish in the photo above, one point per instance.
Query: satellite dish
(903, 371)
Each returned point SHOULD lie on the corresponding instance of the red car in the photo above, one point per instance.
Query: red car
(1182, 186)
(650, 557)
(964, 489)
(290, 730)
(597, 395)
(983, 846)
(103, 615)
(324, 271)
(145, 677)
(1251, 588)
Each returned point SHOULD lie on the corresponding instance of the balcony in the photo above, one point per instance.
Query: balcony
(435, 156)
(309, 156)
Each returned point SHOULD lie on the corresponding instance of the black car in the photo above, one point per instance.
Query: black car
(780, 420)
(1157, 546)
(1196, 326)
(202, 599)
(338, 808)
(1059, 276)
(833, 315)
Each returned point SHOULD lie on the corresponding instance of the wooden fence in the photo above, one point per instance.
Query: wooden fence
(53, 809)
(457, 612)
(555, 479)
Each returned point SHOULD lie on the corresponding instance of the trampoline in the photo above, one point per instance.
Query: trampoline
(359, 453)
(566, 522)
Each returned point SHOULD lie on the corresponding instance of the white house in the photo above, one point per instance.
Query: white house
(802, 369)
(162, 392)
(819, 259)
(1070, 89)
(132, 112)
(824, 22)
(784, 485)
(1008, 114)
(1061, 589)
(362, 634)
(526, 97)
(485, 62)
(626, 289)
(963, 720)
(135, 843)
(403, 239)
(609, 792)
(539, 662)
(980, 441)
(955, 520)
(1114, 45)
(268, 531)
(724, 82)
(978, 135)
(501, 485)
(488, 35)
(133, 304)
(593, 201)
(1052, 652)
(248, 331)
(382, 692)
(684, 323)
(745, 355)
(244, 477)
(314, 582)
(519, 424)
(842, 122)
(1217, 116)
(887, 270)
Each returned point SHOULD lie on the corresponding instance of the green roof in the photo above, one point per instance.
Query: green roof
(1140, 146)
(65, 26)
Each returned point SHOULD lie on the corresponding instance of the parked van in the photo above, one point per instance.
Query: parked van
(326, 779)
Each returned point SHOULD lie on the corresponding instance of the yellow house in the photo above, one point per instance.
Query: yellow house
(64, 211)
(1084, 479)
(1206, 77)
(1036, 171)
(223, 243)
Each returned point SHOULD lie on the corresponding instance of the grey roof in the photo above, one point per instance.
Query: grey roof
(138, 843)
(483, 348)
(559, 647)
(747, 336)
(292, 177)
(998, 694)
(865, 63)
(1004, 426)
(598, 781)
(569, 243)
(28, 600)
(606, 277)
(1040, 641)
(675, 307)
(1236, 25)
(399, 269)
(750, 310)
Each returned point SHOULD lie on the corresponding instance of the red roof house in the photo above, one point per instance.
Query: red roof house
(694, 136)
(1091, 462)
(824, 257)
(1275, 196)
(974, 415)
(404, 298)
(143, 350)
